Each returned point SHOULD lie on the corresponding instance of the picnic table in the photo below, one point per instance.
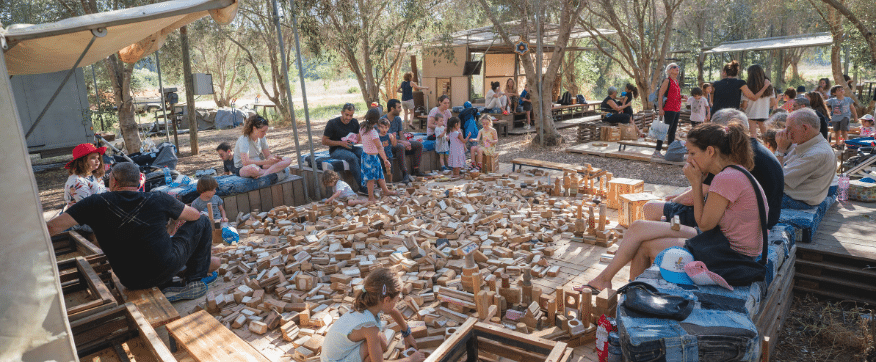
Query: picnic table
(573, 110)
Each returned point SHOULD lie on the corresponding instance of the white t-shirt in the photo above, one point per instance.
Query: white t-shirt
(345, 189)
(253, 149)
(759, 109)
(698, 108)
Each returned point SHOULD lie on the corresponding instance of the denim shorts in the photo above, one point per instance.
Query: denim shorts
(685, 213)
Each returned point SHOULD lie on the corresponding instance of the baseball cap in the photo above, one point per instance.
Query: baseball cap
(671, 262)
(701, 275)
(868, 117)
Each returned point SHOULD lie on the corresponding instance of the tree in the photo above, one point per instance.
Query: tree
(369, 35)
(223, 59)
(525, 12)
(868, 34)
(835, 22)
(644, 30)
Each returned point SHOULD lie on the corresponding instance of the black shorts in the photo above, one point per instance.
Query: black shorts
(527, 106)
(685, 213)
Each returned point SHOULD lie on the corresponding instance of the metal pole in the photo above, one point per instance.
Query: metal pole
(304, 99)
(289, 97)
(540, 55)
(97, 98)
(96, 33)
(163, 102)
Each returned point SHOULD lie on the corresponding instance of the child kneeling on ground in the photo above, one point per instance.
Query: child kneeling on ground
(358, 335)
(341, 190)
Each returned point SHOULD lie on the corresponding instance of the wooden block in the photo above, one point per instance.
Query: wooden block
(258, 327)
(621, 186)
(632, 207)
(314, 343)
(289, 331)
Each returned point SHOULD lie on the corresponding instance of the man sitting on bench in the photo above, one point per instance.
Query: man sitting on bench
(403, 147)
(131, 227)
(809, 164)
(340, 147)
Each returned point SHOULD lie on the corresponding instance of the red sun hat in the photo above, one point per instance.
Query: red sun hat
(83, 150)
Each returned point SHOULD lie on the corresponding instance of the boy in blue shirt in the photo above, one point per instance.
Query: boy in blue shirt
(387, 140)
(842, 110)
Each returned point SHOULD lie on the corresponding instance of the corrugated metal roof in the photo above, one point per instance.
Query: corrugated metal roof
(783, 42)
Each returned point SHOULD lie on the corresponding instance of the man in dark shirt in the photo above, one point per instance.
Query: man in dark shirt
(132, 229)
(403, 147)
(341, 127)
(226, 154)
(767, 171)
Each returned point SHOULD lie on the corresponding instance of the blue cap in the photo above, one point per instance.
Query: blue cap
(671, 262)
(466, 105)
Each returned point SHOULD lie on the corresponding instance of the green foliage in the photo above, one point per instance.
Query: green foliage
(353, 90)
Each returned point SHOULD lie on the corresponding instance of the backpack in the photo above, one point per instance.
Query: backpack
(565, 99)
(581, 99)
(469, 117)
(653, 96)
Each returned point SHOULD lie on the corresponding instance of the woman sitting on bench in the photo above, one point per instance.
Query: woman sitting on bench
(730, 214)
(251, 153)
(614, 113)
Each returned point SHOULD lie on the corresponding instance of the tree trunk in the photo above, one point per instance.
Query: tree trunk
(190, 91)
(120, 78)
(869, 35)
(836, 65)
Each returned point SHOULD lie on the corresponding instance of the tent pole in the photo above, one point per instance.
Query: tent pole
(97, 98)
(97, 33)
(304, 100)
(538, 72)
(163, 101)
(289, 98)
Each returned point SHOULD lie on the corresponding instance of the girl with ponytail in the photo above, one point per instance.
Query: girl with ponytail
(730, 211)
(358, 335)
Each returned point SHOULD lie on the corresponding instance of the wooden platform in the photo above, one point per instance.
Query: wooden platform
(610, 149)
(841, 260)
(205, 339)
(569, 123)
(287, 192)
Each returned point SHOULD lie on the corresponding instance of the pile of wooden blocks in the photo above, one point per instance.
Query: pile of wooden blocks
(462, 251)
(590, 131)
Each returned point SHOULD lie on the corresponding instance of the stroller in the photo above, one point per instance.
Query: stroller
(151, 164)
(865, 147)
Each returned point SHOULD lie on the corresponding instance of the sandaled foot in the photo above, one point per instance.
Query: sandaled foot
(593, 289)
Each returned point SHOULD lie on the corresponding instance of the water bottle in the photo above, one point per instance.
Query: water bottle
(167, 179)
(843, 192)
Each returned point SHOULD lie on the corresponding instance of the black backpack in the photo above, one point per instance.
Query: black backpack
(565, 99)
(581, 99)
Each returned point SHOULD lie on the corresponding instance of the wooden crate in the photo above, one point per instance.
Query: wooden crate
(620, 186)
(71, 244)
(472, 338)
(289, 192)
(116, 335)
(632, 207)
(85, 293)
(610, 134)
(491, 164)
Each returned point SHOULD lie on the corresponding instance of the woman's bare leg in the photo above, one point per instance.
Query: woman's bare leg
(251, 171)
(279, 166)
(653, 210)
(648, 251)
(639, 231)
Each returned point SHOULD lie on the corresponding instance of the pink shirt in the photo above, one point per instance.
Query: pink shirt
(741, 221)
(432, 113)
(368, 142)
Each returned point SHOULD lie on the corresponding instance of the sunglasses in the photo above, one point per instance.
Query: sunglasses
(260, 122)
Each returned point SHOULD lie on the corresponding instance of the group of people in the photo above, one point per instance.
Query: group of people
(793, 167)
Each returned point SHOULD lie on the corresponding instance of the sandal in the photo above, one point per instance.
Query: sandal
(592, 288)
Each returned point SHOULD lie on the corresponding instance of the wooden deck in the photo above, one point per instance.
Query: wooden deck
(841, 260)
(610, 149)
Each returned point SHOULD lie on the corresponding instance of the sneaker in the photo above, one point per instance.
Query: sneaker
(417, 173)
(657, 154)
(210, 279)
(527, 126)
(405, 180)
(193, 290)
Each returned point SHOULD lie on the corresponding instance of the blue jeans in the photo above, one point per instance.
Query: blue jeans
(789, 203)
(352, 158)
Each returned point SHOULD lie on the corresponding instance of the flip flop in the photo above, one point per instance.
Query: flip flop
(592, 288)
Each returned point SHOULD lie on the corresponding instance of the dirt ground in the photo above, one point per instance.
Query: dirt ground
(816, 330)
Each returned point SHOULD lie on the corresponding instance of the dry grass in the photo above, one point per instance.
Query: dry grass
(822, 330)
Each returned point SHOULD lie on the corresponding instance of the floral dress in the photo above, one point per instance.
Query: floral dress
(77, 188)
(457, 151)
(489, 139)
(372, 168)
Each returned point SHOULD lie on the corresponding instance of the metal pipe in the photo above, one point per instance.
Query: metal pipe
(304, 99)
(163, 101)
(289, 96)
(97, 98)
(98, 33)
(540, 55)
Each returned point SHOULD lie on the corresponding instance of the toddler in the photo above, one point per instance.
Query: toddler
(842, 109)
(442, 148)
(456, 161)
(207, 186)
(867, 129)
(387, 140)
(486, 142)
(226, 154)
(341, 190)
(707, 93)
(699, 106)
(372, 155)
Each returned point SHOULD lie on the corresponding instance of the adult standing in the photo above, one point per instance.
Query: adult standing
(614, 110)
(403, 147)
(132, 229)
(407, 88)
(671, 107)
(511, 91)
(86, 174)
(759, 110)
(807, 160)
(443, 108)
(337, 137)
(251, 153)
(729, 90)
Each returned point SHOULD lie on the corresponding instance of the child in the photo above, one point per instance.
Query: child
(387, 140)
(841, 109)
(487, 140)
(788, 97)
(867, 129)
(699, 107)
(207, 186)
(442, 147)
(358, 334)
(456, 160)
(707, 93)
(769, 139)
(226, 154)
(372, 155)
(342, 191)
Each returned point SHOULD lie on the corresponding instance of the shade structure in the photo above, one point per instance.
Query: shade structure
(782, 42)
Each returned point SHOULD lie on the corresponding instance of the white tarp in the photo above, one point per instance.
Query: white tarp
(45, 48)
(784, 42)
(33, 318)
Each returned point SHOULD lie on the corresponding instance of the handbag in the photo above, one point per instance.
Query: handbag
(676, 151)
(658, 130)
(713, 249)
(644, 299)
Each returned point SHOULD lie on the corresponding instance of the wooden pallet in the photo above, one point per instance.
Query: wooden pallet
(473, 339)
(151, 302)
(775, 309)
(205, 339)
(117, 335)
(288, 192)
(70, 244)
(84, 291)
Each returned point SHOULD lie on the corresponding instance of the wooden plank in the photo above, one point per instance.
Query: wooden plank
(148, 335)
(151, 302)
(277, 195)
(255, 200)
(205, 339)
(515, 336)
(510, 352)
(266, 199)
(557, 353)
(96, 285)
(243, 203)
(450, 344)
(83, 244)
(288, 195)
(230, 207)
(298, 191)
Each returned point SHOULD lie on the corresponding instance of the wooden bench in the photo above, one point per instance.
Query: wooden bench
(152, 303)
(205, 339)
(572, 110)
(289, 192)
(586, 170)
(116, 335)
(622, 145)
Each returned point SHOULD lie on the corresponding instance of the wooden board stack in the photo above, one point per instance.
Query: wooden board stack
(462, 251)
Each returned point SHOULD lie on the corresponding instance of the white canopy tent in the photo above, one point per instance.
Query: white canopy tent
(33, 319)
(782, 42)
